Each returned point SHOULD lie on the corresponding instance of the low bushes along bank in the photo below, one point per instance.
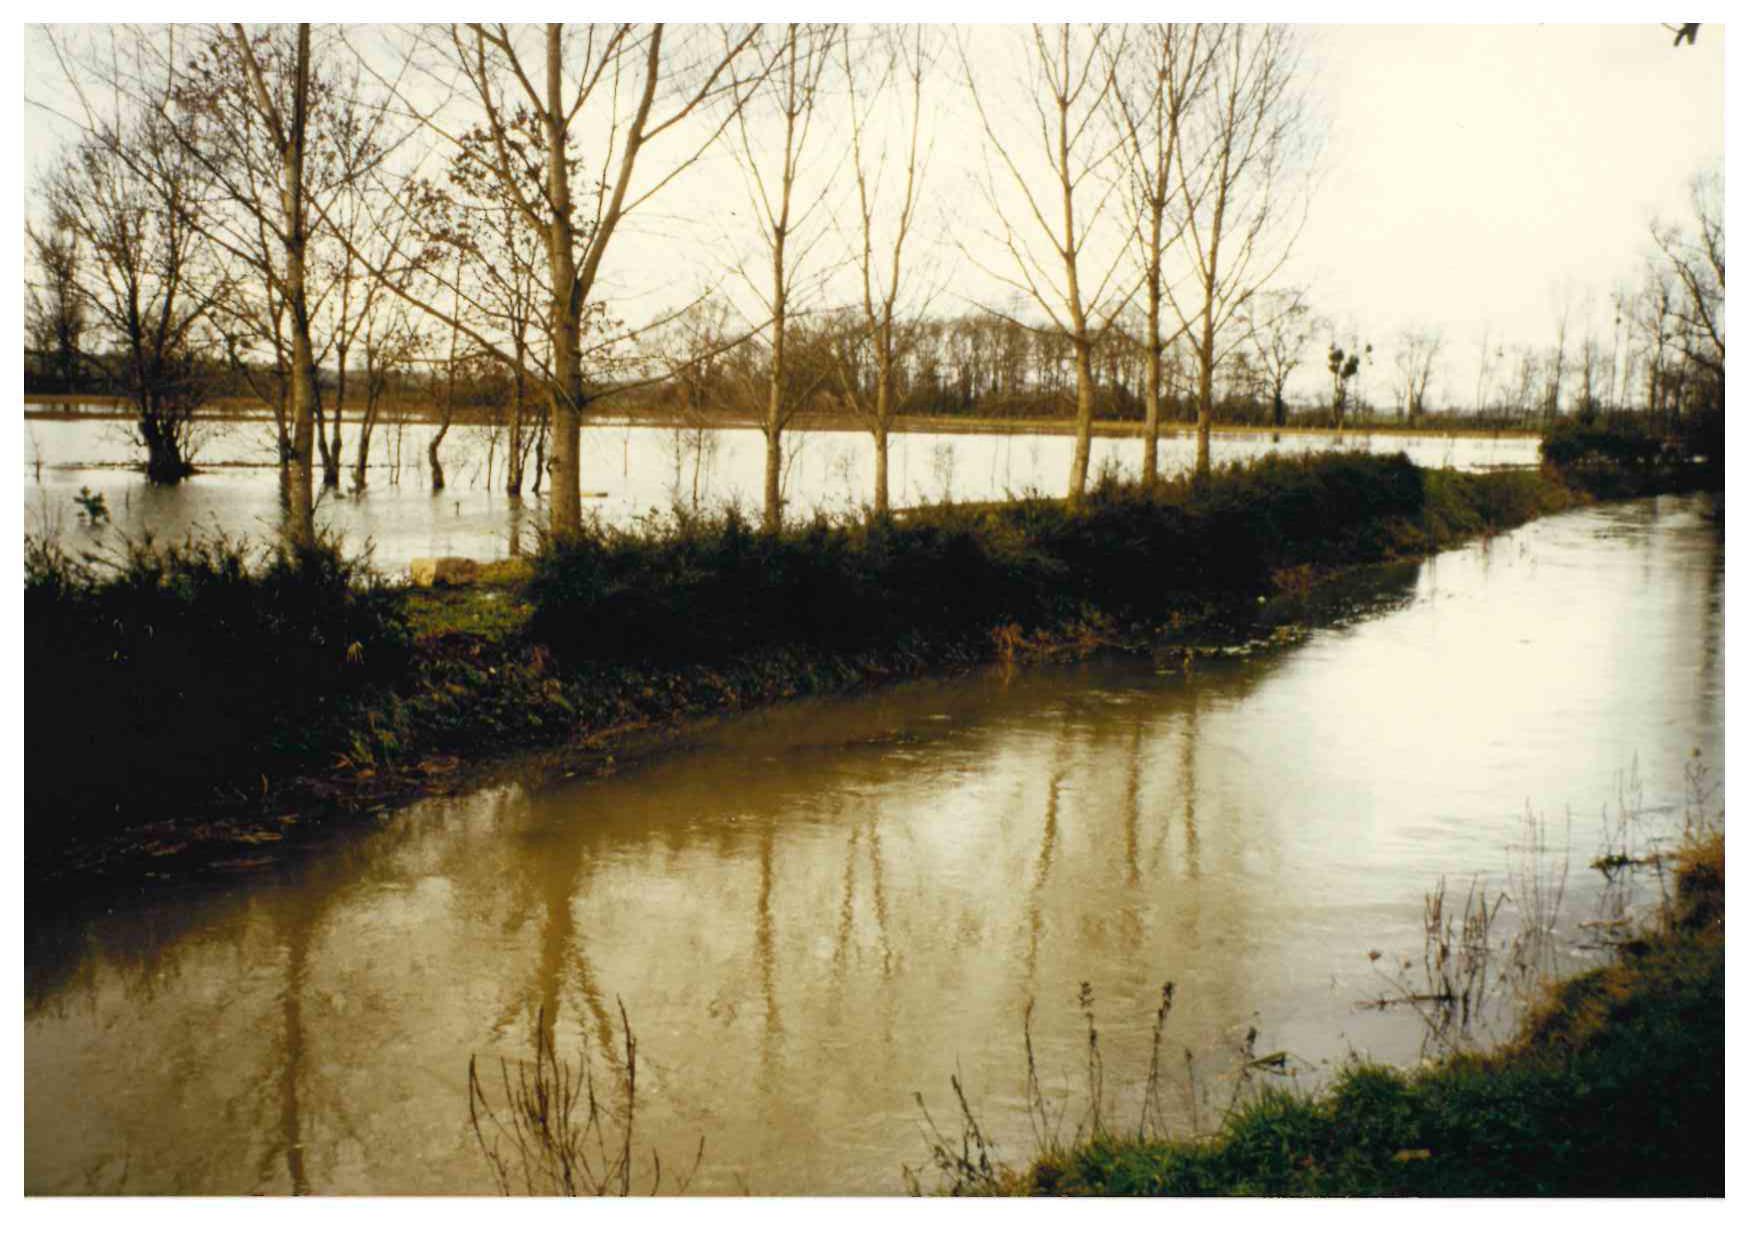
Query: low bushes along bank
(202, 680)
(1622, 460)
(170, 674)
(690, 590)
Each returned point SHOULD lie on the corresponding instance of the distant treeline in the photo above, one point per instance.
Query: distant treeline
(221, 383)
(990, 367)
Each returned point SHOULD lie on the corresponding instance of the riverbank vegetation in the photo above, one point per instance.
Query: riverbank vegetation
(1613, 1086)
(234, 696)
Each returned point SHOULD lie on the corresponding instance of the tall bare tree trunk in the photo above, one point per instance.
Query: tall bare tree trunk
(567, 386)
(331, 462)
(1205, 389)
(774, 409)
(301, 519)
(1084, 388)
(322, 448)
(882, 425)
(361, 459)
(1155, 376)
(539, 457)
(436, 446)
(1083, 376)
(518, 450)
(773, 520)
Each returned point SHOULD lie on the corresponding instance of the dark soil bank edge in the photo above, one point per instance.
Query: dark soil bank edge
(201, 711)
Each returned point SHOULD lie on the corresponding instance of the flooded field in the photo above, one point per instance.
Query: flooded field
(628, 471)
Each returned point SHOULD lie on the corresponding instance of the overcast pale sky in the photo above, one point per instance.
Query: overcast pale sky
(1472, 171)
(1472, 177)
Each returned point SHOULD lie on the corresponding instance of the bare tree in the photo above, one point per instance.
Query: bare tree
(129, 196)
(1484, 371)
(787, 228)
(1073, 73)
(1593, 369)
(1280, 326)
(506, 270)
(1164, 70)
(287, 128)
(1653, 320)
(358, 262)
(1697, 262)
(628, 86)
(1525, 379)
(908, 54)
(693, 353)
(270, 151)
(389, 340)
(1417, 350)
(446, 406)
(1556, 366)
(54, 314)
(1236, 159)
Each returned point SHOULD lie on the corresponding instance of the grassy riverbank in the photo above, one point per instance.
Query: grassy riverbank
(1613, 1087)
(199, 706)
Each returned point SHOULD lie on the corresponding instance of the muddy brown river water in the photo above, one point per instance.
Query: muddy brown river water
(816, 911)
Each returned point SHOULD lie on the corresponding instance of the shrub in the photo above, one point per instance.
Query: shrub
(687, 589)
(1612, 462)
(197, 665)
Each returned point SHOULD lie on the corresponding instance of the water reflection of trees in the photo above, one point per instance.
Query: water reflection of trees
(825, 882)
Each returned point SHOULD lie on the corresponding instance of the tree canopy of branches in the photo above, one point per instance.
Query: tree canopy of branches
(54, 314)
(1417, 352)
(131, 199)
(1238, 161)
(1280, 326)
(902, 58)
(1073, 72)
(625, 88)
(1161, 73)
(788, 224)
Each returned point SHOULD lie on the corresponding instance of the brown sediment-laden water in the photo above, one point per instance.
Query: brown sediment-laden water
(815, 911)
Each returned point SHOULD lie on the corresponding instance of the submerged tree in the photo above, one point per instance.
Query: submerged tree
(626, 86)
(281, 141)
(505, 268)
(131, 199)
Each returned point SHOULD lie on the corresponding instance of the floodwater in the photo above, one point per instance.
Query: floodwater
(628, 471)
(816, 911)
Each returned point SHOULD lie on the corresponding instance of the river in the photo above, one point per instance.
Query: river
(813, 912)
(627, 472)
